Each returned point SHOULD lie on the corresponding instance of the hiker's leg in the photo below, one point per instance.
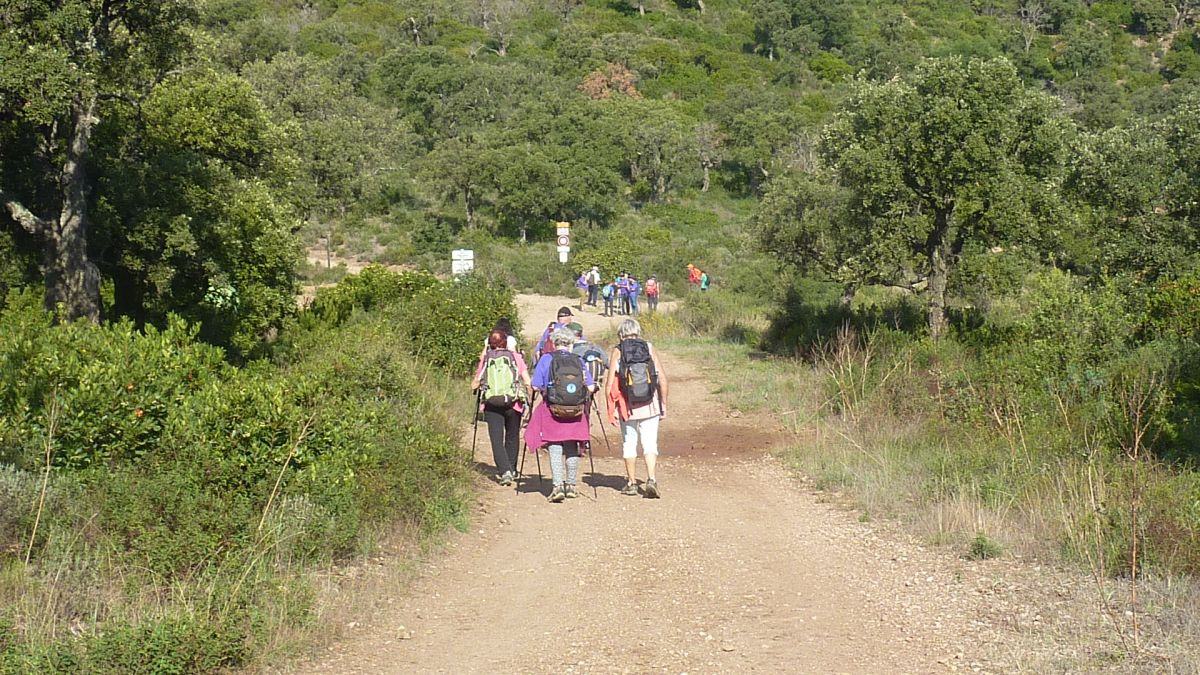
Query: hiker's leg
(556, 464)
(496, 424)
(649, 434)
(512, 437)
(629, 439)
(571, 449)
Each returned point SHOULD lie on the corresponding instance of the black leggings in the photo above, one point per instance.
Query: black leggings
(504, 430)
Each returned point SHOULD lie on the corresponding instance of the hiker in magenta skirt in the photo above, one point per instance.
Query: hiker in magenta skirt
(562, 437)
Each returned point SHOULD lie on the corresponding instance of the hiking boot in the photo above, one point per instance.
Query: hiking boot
(631, 488)
(557, 495)
(507, 478)
(652, 489)
(571, 492)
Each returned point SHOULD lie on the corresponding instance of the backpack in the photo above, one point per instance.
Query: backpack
(593, 358)
(500, 378)
(547, 344)
(652, 288)
(567, 391)
(638, 377)
(607, 291)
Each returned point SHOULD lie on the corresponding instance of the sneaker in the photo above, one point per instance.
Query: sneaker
(556, 495)
(631, 488)
(507, 478)
(571, 492)
(652, 489)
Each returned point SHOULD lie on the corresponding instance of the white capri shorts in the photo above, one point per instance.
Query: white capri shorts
(646, 430)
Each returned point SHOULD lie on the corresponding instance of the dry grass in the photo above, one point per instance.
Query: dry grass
(858, 434)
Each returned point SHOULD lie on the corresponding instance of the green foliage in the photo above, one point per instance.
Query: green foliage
(186, 472)
(443, 323)
(958, 153)
(984, 548)
(614, 254)
(375, 287)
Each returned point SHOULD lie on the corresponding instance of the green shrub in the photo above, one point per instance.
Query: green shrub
(984, 548)
(374, 287)
(245, 476)
(107, 390)
(446, 323)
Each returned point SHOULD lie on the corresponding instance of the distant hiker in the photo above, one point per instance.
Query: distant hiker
(609, 293)
(635, 289)
(693, 275)
(560, 420)
(623, 293)
(637, 393)
(582, 284)
(652, 291)
(704, 281)
(504, 325)
(502, 378)
(544, 345)
(593, 280)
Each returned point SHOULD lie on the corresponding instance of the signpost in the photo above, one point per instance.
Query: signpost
(462, 261)
(564, 240)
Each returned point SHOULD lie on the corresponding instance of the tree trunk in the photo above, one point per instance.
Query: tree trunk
(642, 8)
(467, 207)
(72, 279)
(939, 273)
(129, 295)
(848, 293)
(705, 182)
(700, 5)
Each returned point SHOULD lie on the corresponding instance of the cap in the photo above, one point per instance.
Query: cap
(565, 311)
(575, 327)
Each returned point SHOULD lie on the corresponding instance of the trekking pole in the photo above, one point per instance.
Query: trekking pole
(591, 452)
(475, 423)
(603, 430)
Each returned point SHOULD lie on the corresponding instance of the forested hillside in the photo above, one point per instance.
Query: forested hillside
(179, 146)
(977, 220)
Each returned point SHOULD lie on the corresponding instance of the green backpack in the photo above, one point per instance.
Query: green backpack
(500, 379)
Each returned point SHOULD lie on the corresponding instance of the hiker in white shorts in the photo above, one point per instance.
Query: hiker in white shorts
(637, 393)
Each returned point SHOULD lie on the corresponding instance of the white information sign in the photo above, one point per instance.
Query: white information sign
(563, 230)
(462, 261)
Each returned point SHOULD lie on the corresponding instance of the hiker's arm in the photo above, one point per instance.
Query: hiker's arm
(478, 371)
(663, 387)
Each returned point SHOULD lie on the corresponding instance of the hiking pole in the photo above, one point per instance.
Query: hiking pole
(591, 452)
(475, 423)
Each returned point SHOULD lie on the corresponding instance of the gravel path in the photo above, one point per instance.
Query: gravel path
(739, 567)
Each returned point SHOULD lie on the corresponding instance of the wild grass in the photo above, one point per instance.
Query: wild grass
(899, 427)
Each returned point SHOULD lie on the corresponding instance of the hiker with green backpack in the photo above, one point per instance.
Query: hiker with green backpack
(637, 393)
(502, 381)
(559, 421)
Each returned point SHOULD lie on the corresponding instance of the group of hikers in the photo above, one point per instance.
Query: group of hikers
(620, 294)
(557, 401)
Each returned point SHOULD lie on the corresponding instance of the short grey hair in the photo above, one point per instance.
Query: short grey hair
(562, 337)
(629, 328)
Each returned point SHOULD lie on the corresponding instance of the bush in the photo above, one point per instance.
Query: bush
(107, 390)
(984, 548)
(207, 486)
(374, 287)
(445, 323)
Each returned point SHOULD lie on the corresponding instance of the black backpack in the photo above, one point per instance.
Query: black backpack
(567, 392)
(638, 377)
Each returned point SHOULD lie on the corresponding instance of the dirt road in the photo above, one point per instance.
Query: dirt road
(739, 567)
